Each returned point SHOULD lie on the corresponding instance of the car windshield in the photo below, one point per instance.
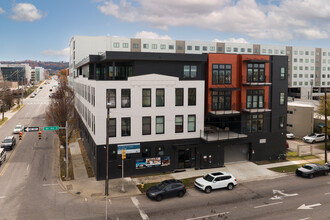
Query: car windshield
(208, 178)
(18, 127)
(307, 167)
(6, 141)
(161, 185)
(311, 135)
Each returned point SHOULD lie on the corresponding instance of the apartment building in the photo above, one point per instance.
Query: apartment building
(175, 110)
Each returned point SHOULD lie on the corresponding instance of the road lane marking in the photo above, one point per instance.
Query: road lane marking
(27, 168)
(110, 201)
(208, 216)
(50, 184)
(261, 206)
(326, 194)
(305, 218)
(144, 216)
(2, 197)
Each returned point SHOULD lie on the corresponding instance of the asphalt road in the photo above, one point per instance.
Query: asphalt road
(28, 179)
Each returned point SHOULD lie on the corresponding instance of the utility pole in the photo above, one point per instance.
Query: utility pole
(326, 127)
(107, 152)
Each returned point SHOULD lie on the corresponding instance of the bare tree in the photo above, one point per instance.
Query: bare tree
(61, 109)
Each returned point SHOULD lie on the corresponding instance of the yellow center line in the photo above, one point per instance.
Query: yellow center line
(11, 156)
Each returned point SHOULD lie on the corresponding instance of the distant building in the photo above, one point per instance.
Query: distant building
(18, 73)
(39, 74)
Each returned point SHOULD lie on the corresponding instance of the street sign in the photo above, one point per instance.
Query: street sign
(53, 128)
(31, 129)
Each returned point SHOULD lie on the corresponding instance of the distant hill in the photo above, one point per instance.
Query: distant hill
(48, 65)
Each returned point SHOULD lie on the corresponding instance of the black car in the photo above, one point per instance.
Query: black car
(166, 189)
(312, 169)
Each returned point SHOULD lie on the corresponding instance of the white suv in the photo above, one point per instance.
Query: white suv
(312, 138)
(216, 180)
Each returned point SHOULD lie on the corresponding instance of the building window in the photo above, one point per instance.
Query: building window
(160, 151)
(179, 47)
(212, 48)
(189, 71)
(235, 49)
(146, 97)
(146, 152)
(249, 50)
(160, 97)
(220, 49)
(135, 46)
(256, 72)
(153, 46)
(191, 96)
(255, 99)
(160, 124)
(197, 47)
(282, 98)
(255, 123)
(125, 127)
(221, 100)
(146, 125)
(163, 46)
(178, 123)
(282, 121)
(111, 96)
(116, 45)
(204, 48)
(282, 73)
(145, 46)
(242, 50)
(228, 49)
(189, 47)
(112, 127)
(171, 47)
(191, 123)
(125, 98)
(179, 97)
(221, 74)
(125, 45)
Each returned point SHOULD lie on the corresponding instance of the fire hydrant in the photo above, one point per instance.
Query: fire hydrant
(142, 185)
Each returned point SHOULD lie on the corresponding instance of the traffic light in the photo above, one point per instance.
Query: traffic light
(20, 135)
(39, 134)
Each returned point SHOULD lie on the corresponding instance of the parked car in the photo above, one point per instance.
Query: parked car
(166, 189)
(312, 169)
(32, 96)
(8, 143)
(289, 135)
(313, 138)
(2, 156)
(215, 180)
(18, 129)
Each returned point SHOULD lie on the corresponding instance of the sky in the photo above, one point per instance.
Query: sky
(42, 29)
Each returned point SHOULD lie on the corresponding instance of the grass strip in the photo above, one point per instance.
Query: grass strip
(3, 121)
(88, 165)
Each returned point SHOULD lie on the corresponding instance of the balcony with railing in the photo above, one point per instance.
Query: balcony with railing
(233, 109)
(257, 107)
(259, 80)
(211, 133)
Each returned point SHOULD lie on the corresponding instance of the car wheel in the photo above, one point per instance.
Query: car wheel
(181, 194)
(230, 186)
(208, 189)
(313, 142)
(310, 176)
(159, 198)
(326, 173)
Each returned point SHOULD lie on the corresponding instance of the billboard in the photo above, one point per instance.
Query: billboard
(152, 162)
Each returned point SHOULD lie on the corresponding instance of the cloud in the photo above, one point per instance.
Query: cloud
(57, 53)
(281, 20)
(232, 40)
(2, 11)
(151, 35)
(25, 12)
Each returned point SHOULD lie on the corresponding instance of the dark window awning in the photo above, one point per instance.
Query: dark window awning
(256, 61)
(224, 89)
(321, 125)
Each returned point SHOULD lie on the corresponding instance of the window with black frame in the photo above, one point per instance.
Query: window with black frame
(146, 97)
(125, 127)
(179, 97)
(221, 100)
(221, 74)
(255, 123)
(189, 71)
(160, 97)
(112, 127)
(255, 98)
(256, 72)
(146, 125)
(178, 123)
(125, 98)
